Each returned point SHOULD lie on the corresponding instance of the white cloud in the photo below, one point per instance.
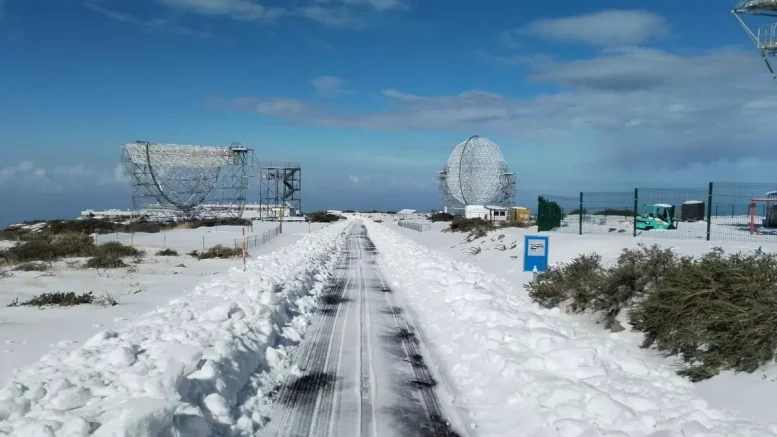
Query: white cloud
(633, 107)
(603, 28)
(28, 175)
(354, 179)
(398, 95)
(327, 85)
(237, 9)
(153, 25)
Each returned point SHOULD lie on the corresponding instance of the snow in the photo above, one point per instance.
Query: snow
(179, 370)
(26, 333)
(513, 365)
(196, 239)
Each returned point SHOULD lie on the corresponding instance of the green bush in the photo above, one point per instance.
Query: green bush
(476, 227)
(49, 248)
(585, 285)
(167, 252)
(105, 262)
(33, 266)
(115, 249)
(56, 299)
(515, 224)
(441, 217)
(220, 251)
(209, 223)
(717, 313)
(577, 211)
(322, 217)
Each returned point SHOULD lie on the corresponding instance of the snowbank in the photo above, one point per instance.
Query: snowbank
(179, 371)
(519, 367)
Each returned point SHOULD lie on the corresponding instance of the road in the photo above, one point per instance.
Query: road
(363, 369)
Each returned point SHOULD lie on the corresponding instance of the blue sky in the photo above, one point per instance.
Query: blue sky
(372, 95)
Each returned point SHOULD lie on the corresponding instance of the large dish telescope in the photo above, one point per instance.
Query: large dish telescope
(476, 174)
(173, 182)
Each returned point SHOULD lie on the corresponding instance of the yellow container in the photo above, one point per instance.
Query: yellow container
(520, 214)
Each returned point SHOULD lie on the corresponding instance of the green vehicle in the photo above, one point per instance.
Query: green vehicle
(658, 216)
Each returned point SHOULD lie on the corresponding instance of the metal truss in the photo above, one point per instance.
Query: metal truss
(178, 182)
(763, 35)
(476, 174)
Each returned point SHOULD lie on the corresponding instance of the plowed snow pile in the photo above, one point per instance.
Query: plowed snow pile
(196, 367)
(518, 369)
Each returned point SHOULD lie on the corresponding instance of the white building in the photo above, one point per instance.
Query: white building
(406, 214)
(497, 213)
(476, 211)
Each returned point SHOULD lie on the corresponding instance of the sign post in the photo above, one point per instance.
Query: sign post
(535, 254)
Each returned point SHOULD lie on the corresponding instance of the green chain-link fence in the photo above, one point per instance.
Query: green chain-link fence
(717, 211)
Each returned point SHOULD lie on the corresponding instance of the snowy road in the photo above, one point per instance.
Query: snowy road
(363, 371)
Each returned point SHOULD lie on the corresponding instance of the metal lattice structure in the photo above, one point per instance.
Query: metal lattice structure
(280, 190)
(763, 34)
(179, 182)
(476, 174)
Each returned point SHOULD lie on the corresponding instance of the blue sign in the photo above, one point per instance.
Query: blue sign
(535, 253)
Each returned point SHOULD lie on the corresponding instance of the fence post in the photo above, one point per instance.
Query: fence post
(244, 249)
(636, 205)
(580, 225)
(709, 212)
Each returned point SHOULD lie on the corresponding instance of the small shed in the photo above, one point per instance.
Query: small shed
(520, 214)
(497, 213)
(476, 211)
(692, 211)
(405, 214)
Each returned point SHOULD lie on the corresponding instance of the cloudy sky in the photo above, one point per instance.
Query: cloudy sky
(372, 95)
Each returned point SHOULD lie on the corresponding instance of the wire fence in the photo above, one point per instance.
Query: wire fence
(419, 227)
(258, 239)
(722, 211)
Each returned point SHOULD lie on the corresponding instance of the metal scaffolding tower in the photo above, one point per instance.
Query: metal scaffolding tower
(763, 35)
(280, 190)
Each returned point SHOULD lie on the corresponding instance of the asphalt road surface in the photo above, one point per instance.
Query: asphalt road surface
(363, 370)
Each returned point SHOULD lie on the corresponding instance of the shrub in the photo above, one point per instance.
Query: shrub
(57, 299)
(718, 312)
(105, 262)
(476, 227)
(32, 266)
(49, 248)
(515, 224)
(167, 252)
(441, 217)
(322, 217)
(115, 249)
(574, 283)
(220, 251)
(585, 285)
(577, 211)
(209, 223)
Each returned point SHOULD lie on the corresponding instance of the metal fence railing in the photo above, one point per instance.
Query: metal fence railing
(419, 227)
(258, 239)
(717, 211)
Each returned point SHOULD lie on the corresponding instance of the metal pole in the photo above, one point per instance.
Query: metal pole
(580, 224)
(709, 212)
(281, 227)
(636, 205)
(244, 249)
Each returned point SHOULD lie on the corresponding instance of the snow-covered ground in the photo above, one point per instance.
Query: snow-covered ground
(749, 395)
(722, 228)
(26, 333)
(198, 239)
(178, 370)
